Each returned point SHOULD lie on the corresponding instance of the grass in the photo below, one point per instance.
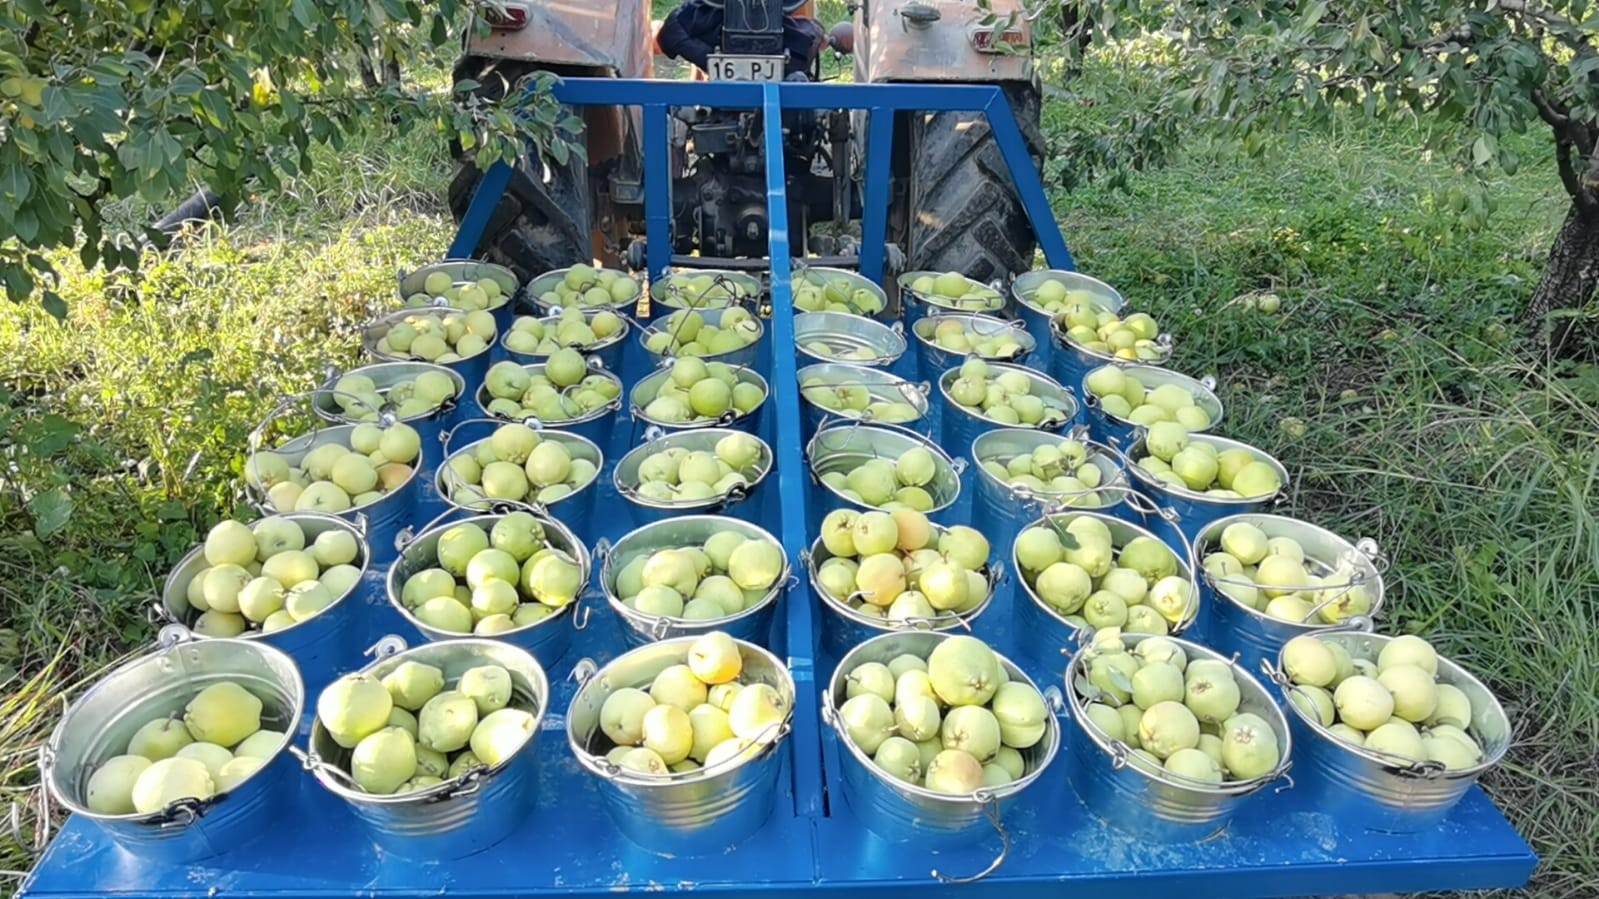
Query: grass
(1426, 424)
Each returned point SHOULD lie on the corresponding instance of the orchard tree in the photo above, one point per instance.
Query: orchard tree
(1495, 67)
(102, 100)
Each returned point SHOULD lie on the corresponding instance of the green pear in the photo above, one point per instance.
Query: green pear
(354, 707)
(383, 760)
(413, 683)
(500, 734)
(489, 686)
(224, 714)
(445, 723)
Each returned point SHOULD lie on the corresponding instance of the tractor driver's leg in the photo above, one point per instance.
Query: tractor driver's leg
(803, 39)
(691, 32)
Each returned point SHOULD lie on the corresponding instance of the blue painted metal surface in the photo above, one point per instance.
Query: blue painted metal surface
(567, 846)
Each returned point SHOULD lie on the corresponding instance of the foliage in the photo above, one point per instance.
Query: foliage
(103, 100)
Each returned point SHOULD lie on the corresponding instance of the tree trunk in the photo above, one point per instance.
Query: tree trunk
(1570, 282)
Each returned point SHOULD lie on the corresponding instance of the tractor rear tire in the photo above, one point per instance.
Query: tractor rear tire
(965, 213)
(542, 221)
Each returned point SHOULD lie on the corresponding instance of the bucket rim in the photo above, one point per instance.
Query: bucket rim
(766, 461)
(172, 640)
(877, 383)
(589, 312)
(321, 397)
(663, 360)
(1419, 768)
(1365, 550)
(743, 373)
(453, 517)
(651, 623)
(481, 397)
(342, 433)
(1023, 337)
(915, 439)
(1186, 565)
(888, 339)
(957, 622)
(983, 795)
(446, 486)
(1203, 387)
(1063, 341)
(1118, 751)
(499, 273)
(1099, 453)
(662, 289)
(1022, 287)
(1191, 496)
(1062, 395)
(535, 287)
(391, 652)
(370, 336)
(599, 766)
(939, 301)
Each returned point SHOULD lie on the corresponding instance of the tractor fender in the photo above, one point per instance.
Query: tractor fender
(936, 40)
(612, 38)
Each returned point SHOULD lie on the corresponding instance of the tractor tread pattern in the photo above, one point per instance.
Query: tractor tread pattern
(538, 225)
(966, 215)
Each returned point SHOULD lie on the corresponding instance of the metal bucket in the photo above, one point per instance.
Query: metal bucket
(827, 336)
(471, 369)
(742, 421)
(741, 502)
(547, 639)
(1070, 362)
(821, 276)
(1362, 788)
(667, 292)
(1102, 296)
(1004, 508)
(880, 385)
(1179, 511)
(1252, 635)
(1163, 807)
(1105, 427)
(540, 291)
(594, 426)
(429, 425)
(1043, 633)
(844, 446)
(380, 520)
(844, 628)
(754, 624)
(916, 305)
(700, 812)
(932, 358)
(962, 426)
(463, 815)
(576, 509)
(461, 270)
(100, 723)
(608, 349)
(320, 645)
(743, 356)
(901, 812)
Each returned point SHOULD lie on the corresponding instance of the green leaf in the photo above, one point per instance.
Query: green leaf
(1482, 150)
(54, 305)
(50, 510)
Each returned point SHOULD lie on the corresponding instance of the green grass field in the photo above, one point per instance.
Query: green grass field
(1394, 384)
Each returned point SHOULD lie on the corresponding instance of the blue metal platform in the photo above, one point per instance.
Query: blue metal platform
(1276, 846)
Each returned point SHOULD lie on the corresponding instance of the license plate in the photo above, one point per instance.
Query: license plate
(746, 68)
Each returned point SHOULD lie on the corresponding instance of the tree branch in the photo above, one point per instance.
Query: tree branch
(1553, 113)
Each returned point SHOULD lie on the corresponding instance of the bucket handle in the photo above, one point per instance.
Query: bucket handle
(583, 672)
(313, 763)
(173, 635)
(258, 433)
(386, 646)
(180, 813)
(990, 805)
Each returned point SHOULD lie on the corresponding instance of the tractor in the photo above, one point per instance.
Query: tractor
(953, 207)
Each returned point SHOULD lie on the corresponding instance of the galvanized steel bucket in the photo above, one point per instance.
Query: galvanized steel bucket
(1363, 788)
(576, 509)
(320, 645)
(741, 502)
(1185, 512)
(429, 425)
(463, 815)
(540, 291)
(1162, 806)
(901, 812)
(547, 639)
(100, 723)
(822, 276)
(753, 624)
(917, 305)
(463, 270)
(1106, 427)
(880, 385)
(1004, 508)
(1070, 361)
(932, 358)
(844, 628)
(1102, 296)
(1255, 637)
(594, 425)
(607, 349)
(667, 292)
(742, 421)
(380, 520)
(471, 369)
(829, 336)
(702, 812)
(1043, 633)
(743, 356)
(843, 446)
(961, 426)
